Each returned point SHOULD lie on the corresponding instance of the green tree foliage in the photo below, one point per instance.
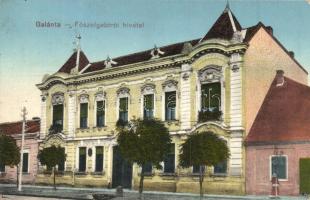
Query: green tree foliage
(51, 157)
(203, 149)
(146, 141)
(9, 151)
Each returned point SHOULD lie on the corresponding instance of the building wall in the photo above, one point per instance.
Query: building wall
(258, 180)
(30, 146)
(261, 60)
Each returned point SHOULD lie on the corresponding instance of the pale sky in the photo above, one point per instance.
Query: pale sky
(27, 52)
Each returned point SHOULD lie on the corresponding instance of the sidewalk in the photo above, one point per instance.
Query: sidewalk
(87, 194)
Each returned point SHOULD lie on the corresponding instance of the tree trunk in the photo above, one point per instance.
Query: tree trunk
(201, 176)
(141, 183)
(54, 178)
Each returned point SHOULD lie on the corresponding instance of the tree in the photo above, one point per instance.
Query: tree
(9, 152)
(51, 157)
(145, 141)
(203, 149)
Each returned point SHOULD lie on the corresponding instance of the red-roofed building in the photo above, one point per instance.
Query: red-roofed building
(30, 163)
(279, 138)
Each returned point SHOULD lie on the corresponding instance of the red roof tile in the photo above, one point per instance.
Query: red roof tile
(284, 115)
(11, 128)
(222, 28)
(71, 63)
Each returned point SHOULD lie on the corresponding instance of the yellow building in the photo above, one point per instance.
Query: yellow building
(215, 83)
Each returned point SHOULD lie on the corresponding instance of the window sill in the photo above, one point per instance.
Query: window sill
(172, 174)
(170, 122)
(147, 174)
(97, 173)
(80, 173)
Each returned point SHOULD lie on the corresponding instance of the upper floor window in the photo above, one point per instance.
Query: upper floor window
(83, 110)
(123, 109)
(100, 113)
(279, 166)
(83, 115)
(58, 111)
(211, 96)
(148, 106)
(170, 105)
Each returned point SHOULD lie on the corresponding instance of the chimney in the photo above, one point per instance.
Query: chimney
(270, 30)
(291, 54)
(280, 77)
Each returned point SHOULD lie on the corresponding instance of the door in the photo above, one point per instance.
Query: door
(122, 170)
(304, 175)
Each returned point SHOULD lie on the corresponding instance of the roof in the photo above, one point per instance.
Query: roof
(71, 62)
(223, 27)
(168, 50)
(12, 128)
(284, 115)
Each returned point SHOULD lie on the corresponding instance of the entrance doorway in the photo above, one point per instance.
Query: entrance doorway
(122, 170)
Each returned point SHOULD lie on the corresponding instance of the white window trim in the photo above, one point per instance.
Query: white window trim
(117, 105)
(172, 89)
(270, 167)
(79, 115)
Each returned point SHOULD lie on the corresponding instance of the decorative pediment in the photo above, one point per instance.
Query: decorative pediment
(210, 73)
(100, 96)
(58, 98)
(84, 98)
(148, 88)
(54, 139)
(170, 85)
(123, 91)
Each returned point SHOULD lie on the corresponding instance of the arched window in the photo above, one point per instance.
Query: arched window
(83, 110)
(58, 111)
(100, 109)
(148, 97)
(170, 94)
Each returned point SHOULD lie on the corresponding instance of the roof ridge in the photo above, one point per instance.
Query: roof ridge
(144, 51)
(20, 121)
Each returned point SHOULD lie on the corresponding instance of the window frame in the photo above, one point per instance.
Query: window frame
(286, 164)
(95, 159)
(119, 105)
(143, 105)
(104, 113)
(174, 163)
(80, 117)
(78, 156)
(166, 107)
(28, 162)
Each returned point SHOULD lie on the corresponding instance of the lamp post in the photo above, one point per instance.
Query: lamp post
(24, 113)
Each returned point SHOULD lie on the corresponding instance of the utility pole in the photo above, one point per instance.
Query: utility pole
(24, 113)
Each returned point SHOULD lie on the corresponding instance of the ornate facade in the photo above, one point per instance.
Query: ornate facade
(214, 83)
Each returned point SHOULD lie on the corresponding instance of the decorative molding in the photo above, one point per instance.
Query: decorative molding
(100, 96)
(44, 95)
(210, 73)
(170, 85)
(58, 98)
(148, 88)
(156, 52)
(109, 62)
(84, 98)
(123, 91)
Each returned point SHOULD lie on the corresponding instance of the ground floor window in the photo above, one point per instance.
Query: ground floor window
(220, 168)
(147, 168)
(196, 169)
(2, 167)
(82, 159)
(279, 166)
(99, 159)
(169, 161)
(25, 162)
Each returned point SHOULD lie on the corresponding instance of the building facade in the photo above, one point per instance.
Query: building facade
(279, 141)
(30, 165)
(215, 83)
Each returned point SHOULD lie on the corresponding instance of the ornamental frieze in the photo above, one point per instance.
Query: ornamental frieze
(58, 98)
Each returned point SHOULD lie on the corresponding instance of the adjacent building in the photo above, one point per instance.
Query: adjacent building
(216, 83)
(30, 165)
(279, 140)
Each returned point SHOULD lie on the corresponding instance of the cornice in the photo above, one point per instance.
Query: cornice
(222, 47)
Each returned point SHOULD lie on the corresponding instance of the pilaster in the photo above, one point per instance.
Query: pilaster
(185, 100)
